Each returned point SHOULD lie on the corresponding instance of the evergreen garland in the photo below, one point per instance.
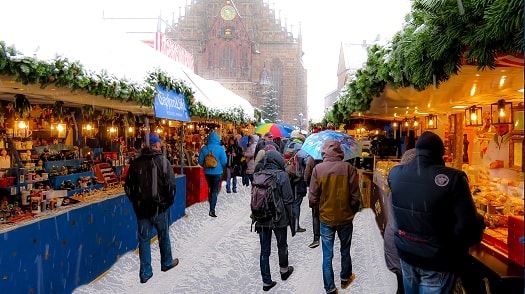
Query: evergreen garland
(438, 36)
(63, 73)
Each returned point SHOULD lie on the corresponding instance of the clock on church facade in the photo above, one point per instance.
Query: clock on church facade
(242, 45)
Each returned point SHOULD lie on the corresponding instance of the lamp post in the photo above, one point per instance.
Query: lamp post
(300, 120)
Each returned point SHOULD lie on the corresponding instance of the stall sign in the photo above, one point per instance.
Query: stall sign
(170, 105)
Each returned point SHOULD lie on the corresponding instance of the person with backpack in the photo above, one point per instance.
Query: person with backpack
(335, 188)
(295, 159)
(233, 166)
(150, 186)
(213, 158)
(316, 226)
(271, 206)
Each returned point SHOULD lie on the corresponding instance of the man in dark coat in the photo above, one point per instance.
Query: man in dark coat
(150, 186)
(274, 161)
(436, 218)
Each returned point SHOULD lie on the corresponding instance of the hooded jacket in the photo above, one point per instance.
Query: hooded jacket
(215, 147)
(274, 161)
(436, 218)
(250, 154)
(334, 186)
(151, 189)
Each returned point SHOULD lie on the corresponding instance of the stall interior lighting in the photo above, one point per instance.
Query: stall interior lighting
(501, 112)
(431, 122)
(473, 116)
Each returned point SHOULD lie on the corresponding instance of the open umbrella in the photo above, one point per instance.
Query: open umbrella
(287, 127)
(313, 143)
(275, 129)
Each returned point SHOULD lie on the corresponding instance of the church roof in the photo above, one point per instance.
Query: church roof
(354, 55)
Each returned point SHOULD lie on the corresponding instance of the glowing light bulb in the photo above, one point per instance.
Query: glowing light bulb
(130, 129)
(60, 127)
(501, 112)
(22, 124)
(431, 122)
(89, 127)
(473, 116)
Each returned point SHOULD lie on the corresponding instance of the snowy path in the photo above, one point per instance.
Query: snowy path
(221, 255)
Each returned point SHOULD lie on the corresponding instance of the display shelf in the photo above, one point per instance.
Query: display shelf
(105, 173)
(48, 165)
(55, 181)
(81, 190)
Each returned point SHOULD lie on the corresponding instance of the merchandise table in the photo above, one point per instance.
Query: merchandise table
(60, 250)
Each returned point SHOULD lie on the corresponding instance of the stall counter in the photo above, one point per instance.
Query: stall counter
(59, 251)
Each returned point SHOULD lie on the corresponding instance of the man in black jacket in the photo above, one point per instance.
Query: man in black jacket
(436, 218)
(150, 186)
(274, 162)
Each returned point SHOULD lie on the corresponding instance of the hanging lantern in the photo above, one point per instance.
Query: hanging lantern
(395, 124)
(112, 131)
(474, 116)
(431, 122)
(501, 112)
(21, 128)
(406, 123)
(58, 130)
(88, 130)
(415, 123)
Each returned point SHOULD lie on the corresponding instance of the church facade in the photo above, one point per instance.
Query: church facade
(245, 47)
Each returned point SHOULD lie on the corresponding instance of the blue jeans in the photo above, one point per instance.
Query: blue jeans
(213, 189)
(161, 223)
(265, 239)
(229, 179)
(327, 239)
(420, 281)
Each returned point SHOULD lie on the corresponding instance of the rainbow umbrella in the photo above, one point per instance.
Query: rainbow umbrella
(275, 129)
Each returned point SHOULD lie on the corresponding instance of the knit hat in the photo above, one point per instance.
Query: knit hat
(154, 139)
(431, 141)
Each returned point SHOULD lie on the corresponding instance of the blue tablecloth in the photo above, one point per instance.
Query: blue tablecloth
(60, 252)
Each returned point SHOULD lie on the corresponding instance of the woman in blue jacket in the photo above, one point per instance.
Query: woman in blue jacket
(213, 175)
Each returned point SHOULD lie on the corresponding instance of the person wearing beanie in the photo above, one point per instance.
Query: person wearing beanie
(436, 218)
(150, 187)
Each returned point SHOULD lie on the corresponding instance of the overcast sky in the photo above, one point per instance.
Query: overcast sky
(325, 24)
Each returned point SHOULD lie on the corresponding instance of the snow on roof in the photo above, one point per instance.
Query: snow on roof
(355, 55)
(99, 48)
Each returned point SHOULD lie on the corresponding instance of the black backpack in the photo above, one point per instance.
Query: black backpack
(141, 186)
(263, 201)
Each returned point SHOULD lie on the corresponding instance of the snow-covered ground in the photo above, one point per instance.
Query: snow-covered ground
(221, 255)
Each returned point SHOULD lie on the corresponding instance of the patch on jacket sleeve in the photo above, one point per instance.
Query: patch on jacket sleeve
(441, 180)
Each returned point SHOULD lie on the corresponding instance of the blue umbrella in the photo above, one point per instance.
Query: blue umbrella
(313, 143)
(243, 142)
(288, 127)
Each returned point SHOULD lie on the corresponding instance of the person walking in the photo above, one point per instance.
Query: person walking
(150, 186)
(391, 256)
(233, 166)
(334, 187)
(274, 161)
(213, 174)
(316, 225)
(436, 218)
(299, 188)
(249, 155)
